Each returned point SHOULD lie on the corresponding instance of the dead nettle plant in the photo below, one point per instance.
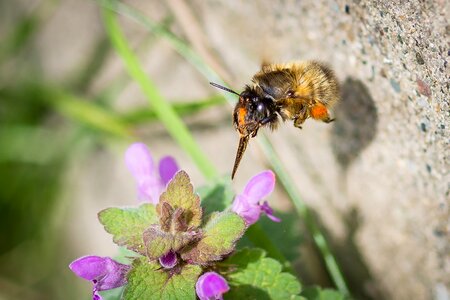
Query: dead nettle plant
(177, 249)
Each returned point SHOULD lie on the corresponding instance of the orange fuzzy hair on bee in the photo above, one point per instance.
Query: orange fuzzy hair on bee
(242, 112)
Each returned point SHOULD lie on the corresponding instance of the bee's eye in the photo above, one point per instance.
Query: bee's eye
(261, 107)
(290, 93)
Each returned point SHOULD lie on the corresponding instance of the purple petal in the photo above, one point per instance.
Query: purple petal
(139, 161)
(211, 286)
(96, 296)
(260, 186)
(248, 211)
(169, 260)
(89, 267)
(265, 207)
(167, 169)
(149, 189)
(115, 276)
(104, 272)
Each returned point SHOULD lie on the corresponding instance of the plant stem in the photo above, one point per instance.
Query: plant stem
(163, 110)
(141, 115)
(305, 213)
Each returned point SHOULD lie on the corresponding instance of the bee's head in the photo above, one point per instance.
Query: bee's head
(251, 109)
(249, 112)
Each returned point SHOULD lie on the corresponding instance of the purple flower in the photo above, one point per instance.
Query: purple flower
(169, 260)
(104, 272)
(150, 184)
(211, 286)
(247, 204)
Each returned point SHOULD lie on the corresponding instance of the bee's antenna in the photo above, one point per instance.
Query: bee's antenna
(223, 88)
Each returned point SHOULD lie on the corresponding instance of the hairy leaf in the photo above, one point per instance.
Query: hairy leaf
(217, 196)
(148, 281)
(255, 273)
(316, 293)
(219, 238)
(172, 220)
(165, 211)
(180, 194)
(159, 242)
(128, 224)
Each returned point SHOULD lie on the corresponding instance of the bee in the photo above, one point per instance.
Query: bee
(293, 91)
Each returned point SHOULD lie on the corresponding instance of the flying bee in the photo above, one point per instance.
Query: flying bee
(292, 91)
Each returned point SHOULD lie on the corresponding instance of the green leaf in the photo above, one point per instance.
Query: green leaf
(254, 273)
(316, 293)
(217, 196)
(84, 111)
(159, 242)
(172, 220)
(148, 281)
(219, 238)
(127, 225)
(113, 294)
(182, 107)
(180, 194)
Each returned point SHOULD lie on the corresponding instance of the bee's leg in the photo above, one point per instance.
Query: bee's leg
(300, 118)
(298, 121)
(272, 118)
(320, 112)
(254, 133)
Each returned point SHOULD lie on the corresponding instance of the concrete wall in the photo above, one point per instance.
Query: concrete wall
(379, 175)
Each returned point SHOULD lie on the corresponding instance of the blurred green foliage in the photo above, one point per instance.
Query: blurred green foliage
(43, 126)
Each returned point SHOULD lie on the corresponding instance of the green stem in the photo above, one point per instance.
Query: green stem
(163, 110)
(305, 213)
(148, 114)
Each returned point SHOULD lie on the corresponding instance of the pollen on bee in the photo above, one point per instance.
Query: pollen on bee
(319, 112)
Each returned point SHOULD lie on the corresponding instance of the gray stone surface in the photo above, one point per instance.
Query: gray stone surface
(386, 156)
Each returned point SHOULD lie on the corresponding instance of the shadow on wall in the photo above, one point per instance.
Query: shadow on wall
(352, 262)
(356, 122)
(354, 129)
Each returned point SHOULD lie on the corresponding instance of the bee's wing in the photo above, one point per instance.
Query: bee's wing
(243, 142)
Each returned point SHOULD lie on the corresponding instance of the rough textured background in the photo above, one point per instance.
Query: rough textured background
(385, 160)
(378, 177)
